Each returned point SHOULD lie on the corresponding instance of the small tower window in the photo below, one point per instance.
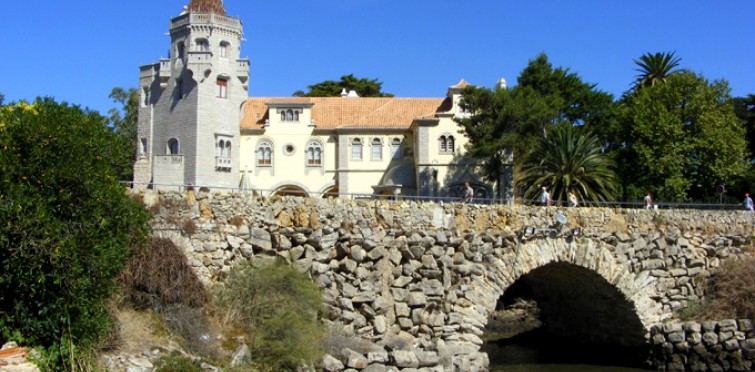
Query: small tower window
(180, 48)
(172, 147)
(290, 115)
(222, 88)
(223, 49)
(203, 45)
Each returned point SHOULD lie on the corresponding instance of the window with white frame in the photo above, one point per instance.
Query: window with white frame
(223, 147)
(356, 149)
(265, 154)
(290, 115)
(396, 149)
(377, 149)
(314, 153)
(446, 144)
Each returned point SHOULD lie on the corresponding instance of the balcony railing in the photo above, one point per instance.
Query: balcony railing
(223, 162)
(176, 160)
(206, 18)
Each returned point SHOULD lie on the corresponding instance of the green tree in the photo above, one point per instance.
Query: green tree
(125, 123)
(519, 117)
(277, 307)
(568, 160)
(330, 88)
(67, 226)
(683, 138)
(654, 68)
(744, 108)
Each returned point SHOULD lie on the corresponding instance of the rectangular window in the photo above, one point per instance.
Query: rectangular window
(222, 88)
(143, 146)
(356, 152)
(377, 152)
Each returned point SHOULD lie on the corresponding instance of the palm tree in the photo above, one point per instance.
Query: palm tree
(654, 68)
(566, 161)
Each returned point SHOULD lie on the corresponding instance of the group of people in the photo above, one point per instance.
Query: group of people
(545, 198)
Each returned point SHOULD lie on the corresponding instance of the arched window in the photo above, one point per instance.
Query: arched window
(377, 149)
(447, 144)
(289, 115)
(223, 148)
(180, 50)
(314, 153)
(265, 154)
(203, 45)
(223, 50)
(396, 148)
(172, 147)
(356, 149)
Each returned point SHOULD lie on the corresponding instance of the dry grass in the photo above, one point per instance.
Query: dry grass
(732, 291)
(139, 331)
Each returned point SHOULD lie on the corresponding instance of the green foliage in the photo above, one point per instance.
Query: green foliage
(126, 126)
(682, 138)
(519, 117)
(177, 363)
(330, 88)
(654, 68)
(565, 161)
(277, 308)
(67, 226)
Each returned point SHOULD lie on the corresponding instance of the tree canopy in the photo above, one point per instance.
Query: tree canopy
(330, 88)
(67, 225)
(519, 117)
(683, 138)
(654, 68)
(125, 124)
(567, 161)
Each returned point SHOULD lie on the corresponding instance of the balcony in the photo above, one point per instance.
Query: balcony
(223, 163)
(164, 72)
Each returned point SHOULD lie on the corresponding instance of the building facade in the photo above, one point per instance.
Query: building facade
(197, 127)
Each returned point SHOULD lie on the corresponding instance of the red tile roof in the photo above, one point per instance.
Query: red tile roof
(341, 112)
(207, 6)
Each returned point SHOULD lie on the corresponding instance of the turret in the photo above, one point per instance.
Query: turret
(191, 100)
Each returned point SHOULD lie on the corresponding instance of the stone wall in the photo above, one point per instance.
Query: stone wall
(709, 346)
(431, 274)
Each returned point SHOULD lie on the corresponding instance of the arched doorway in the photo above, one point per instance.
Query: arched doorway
(290, 190)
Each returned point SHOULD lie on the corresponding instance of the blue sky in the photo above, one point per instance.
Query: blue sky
(77, 51)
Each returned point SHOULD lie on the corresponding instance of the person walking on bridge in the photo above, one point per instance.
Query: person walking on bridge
(748, 203)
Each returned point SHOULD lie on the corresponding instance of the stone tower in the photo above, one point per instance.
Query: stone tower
(190, 104)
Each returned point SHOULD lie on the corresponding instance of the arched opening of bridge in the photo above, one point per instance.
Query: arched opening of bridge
(565, 314)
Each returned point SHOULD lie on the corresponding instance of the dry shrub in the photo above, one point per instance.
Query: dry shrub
(236, 221)
(732, 291)
(189, 227)
(159, 275)
(191, 325)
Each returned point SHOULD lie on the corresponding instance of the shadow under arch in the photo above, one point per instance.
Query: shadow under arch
(290, 190)
(583, 292)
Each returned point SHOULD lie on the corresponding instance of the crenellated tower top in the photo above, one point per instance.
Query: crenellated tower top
(207, 6)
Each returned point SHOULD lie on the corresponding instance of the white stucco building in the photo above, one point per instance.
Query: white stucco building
(197, 127)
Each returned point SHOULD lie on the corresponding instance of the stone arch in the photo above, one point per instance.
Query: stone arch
(588, 255)
(290, 188)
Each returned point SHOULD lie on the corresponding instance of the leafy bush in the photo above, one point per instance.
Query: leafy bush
(177, 363)
(67, 226)
(277, 308)
(159, 276)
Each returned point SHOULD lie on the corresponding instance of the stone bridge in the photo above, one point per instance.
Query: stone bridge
(420, 281)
